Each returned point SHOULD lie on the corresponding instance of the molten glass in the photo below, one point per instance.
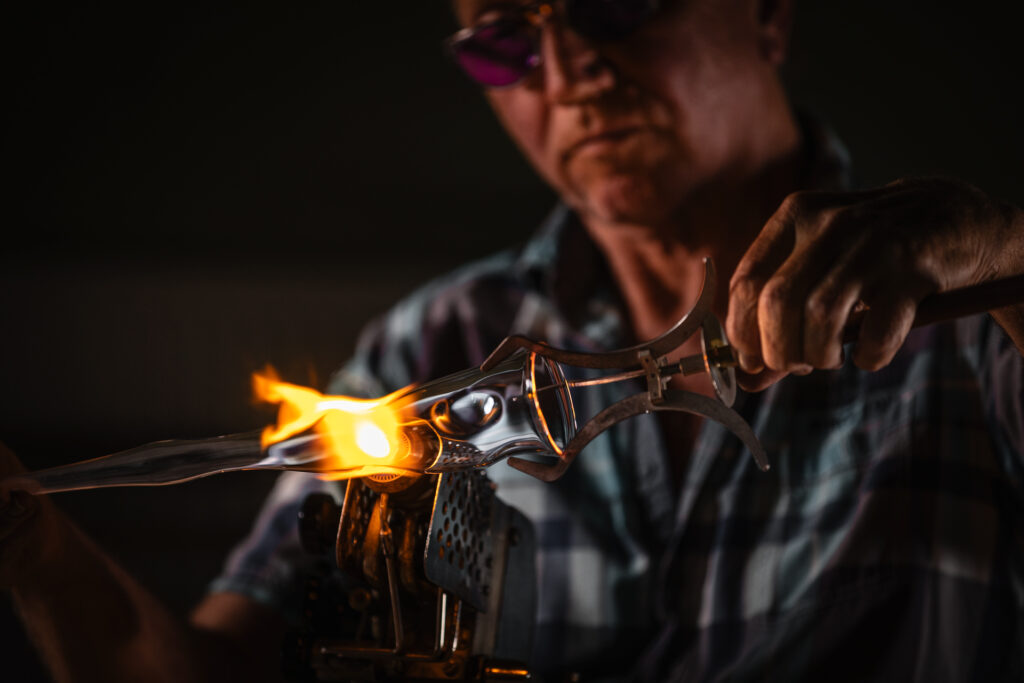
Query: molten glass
(470, 419)
(356, 437)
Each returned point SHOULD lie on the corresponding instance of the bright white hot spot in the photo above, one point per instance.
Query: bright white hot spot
(372, 439)
(347, 406)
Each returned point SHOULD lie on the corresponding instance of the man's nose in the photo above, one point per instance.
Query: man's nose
(572, 68)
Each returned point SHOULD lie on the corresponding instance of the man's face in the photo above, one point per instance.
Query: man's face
(625, 131)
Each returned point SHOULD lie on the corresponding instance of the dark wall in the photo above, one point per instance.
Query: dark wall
(191, 194)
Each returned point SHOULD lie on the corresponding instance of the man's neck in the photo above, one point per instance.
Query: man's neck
(659, 268)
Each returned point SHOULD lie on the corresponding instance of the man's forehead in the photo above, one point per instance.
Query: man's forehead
(468, 10)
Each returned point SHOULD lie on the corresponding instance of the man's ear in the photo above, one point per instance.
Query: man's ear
(774, 18)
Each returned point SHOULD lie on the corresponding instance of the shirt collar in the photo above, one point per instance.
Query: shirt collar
(540, 255)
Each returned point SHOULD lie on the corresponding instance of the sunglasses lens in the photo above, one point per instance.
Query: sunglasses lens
(497, 54)
(608, 19)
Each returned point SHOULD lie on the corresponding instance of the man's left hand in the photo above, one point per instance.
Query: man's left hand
(824, 254)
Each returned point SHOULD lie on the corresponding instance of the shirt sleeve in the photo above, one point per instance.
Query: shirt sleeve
(1000, 369)
(268, 564)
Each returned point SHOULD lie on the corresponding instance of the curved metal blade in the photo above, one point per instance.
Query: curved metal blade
(696, 404)
(683, 401)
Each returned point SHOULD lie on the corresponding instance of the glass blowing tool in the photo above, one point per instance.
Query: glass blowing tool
(517, 403)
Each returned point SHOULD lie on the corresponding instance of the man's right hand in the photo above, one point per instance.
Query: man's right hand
(29, 527)
(824, 255)
(91, 621)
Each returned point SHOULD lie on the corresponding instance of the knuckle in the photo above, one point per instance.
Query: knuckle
(818, 310)
(817, 215)
(837, 218)
(743, 287)
(795, 203)
(792, 210)
(775, 295)
(842, 221)
(824, 307)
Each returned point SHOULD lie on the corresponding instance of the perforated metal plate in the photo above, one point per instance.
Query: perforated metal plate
(456, 454)
(460, 546)
(357, 511)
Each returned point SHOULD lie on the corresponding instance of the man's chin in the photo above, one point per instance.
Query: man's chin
(623, 201)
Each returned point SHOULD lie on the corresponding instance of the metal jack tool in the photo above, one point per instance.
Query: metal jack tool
(518, 402)
(648, 360)
(717, 359)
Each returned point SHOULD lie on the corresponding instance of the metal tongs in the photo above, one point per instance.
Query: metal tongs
(717, 359)
(649, 360)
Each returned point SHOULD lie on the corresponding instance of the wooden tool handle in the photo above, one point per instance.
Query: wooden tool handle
(956, 303)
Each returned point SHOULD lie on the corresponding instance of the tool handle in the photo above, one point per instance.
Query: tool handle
(955, 303)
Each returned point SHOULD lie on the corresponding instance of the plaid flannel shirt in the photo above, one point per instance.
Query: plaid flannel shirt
(885, 544)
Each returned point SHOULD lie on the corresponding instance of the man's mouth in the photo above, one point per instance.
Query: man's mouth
(601, 140)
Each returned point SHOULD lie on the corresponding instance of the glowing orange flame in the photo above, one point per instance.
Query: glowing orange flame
(365, 436)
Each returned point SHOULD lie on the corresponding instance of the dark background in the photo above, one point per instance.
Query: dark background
(191, 194)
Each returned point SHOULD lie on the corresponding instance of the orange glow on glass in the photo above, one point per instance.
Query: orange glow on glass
(364, 435)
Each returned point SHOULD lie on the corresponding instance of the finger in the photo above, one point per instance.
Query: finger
(783, 302)
(886, 324)
(758, 381)
(795, 250)
(806, 303)
(780, 319)
(759, 263)
(826, 313)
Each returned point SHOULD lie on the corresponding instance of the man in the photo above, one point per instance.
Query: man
(885, 544)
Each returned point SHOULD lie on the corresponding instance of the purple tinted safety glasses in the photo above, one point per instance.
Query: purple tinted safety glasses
(502, 51)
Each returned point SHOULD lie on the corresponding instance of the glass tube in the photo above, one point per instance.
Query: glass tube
(466, 420)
